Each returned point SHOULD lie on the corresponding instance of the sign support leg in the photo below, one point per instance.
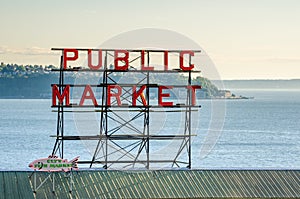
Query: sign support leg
(53, 183)
(34, 182)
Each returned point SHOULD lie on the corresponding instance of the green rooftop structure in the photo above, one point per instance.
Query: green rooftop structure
(153, 184)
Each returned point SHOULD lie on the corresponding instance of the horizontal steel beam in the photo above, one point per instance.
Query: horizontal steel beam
(127, 106)
(129, 50)
(127, 161)
(120, 110)
(124, 71)
(122, 137)
(122, 85)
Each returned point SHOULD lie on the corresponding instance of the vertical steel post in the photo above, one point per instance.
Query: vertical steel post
(102, 120)
(147, 117)
(53, 182)
(106, 114)
(190, 116)
(58, 146)
(71, 181)
(62, 111)
(34, 181)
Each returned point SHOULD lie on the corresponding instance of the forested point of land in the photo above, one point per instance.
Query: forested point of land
(34, 81)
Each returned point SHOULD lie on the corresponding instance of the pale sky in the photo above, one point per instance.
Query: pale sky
(246, 39)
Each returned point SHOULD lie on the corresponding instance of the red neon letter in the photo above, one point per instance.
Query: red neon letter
(143, 67)
(193, 89)
(140, 93)
(90, 64)
(56, 94)
(88, 94)
(161, 95)
(115, 94)
(182, 53)
(66, 58)
(123, 59)
(166, 64)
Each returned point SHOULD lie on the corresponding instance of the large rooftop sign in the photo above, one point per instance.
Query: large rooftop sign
(96, 59)
(124, 88)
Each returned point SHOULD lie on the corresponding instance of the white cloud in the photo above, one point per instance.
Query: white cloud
(27, 51)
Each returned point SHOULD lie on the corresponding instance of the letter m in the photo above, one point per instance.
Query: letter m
(65, 95)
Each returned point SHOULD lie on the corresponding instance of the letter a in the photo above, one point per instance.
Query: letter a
(88, 94)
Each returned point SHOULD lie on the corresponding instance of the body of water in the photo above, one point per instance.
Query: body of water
(258, 133)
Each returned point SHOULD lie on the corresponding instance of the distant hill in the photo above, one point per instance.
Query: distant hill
(32, 87)
(18, 81)
(33, 81)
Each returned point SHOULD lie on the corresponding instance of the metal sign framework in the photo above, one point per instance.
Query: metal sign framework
(51, 178)
(115, 148)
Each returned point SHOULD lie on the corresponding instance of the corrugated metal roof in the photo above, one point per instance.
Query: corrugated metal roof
(156, 184)
(15, 185)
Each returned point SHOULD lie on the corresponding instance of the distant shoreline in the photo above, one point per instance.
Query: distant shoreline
(258, 84)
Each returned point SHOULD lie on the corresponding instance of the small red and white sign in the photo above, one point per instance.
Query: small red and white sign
(54, 164)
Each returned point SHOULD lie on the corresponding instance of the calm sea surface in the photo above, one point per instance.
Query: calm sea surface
(258, 133)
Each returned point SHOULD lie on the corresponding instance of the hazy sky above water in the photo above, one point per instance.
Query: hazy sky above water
(246, 39)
